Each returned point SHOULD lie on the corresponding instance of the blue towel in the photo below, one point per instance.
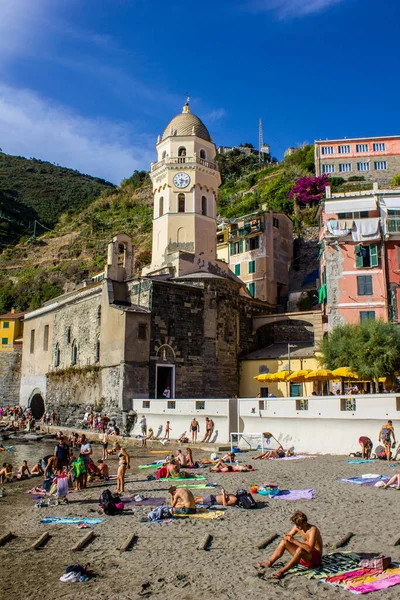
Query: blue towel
(358, 461)
(71, 520)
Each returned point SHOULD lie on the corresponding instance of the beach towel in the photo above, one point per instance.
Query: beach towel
(332, 564)
(199, 486)
(363, 581)
(295, 495)
(145, 501)
(358, 461)
(294, 457)
(367, 479)
(210, 514)
(71, 520)
(153, 465)
(194, 478)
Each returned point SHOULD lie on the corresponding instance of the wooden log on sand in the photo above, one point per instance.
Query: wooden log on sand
(130, 540)
(85, 540)
(397, 542)
(345, 540)
(6, 538)
(267, 541)
(205, 542)
(42, 540)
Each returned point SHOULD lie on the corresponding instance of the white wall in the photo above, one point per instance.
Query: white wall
(221, 411)
(324, 428)
(30, 383)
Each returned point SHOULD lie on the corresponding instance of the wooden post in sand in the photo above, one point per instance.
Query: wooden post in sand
(85, 540)
(267, 541)
(130, 540)
(397, 542)
(42, 540)
(6, 538)
(345, 540)
(205, 542)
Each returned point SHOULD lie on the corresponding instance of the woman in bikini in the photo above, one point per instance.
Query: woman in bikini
(189, 458)
(221, 467)
(123, 465)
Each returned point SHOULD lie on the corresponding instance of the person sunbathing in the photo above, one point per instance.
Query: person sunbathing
(6, 473)
(227, 458)
(307, 551)
(394, 479)
(24, 471)
(366, 446)
(37, 469)
(280, 452)
(181, 458)
(182, 501)
(223, 498)
(103, 470)
(221, 467)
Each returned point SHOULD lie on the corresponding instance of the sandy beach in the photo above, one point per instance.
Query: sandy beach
(165, 562)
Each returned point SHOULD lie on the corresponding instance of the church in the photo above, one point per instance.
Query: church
(183, 323)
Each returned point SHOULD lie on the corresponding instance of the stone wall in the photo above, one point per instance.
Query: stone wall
(10, 377)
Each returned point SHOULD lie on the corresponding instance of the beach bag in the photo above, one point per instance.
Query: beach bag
(245, 500)
(160, 513)
(379, 562)
(108, 502)
(385, 435)
(62, 486)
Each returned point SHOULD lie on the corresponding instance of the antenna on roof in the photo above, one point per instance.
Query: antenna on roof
(187, 97)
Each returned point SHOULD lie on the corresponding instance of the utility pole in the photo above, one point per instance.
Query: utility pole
(260, 139)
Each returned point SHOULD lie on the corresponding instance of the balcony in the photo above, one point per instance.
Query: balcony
(184, 160)
(249, 228)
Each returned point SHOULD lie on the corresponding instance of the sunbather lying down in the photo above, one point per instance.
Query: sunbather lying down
(280, 452)
(223, 498)
(394, 479)
(221, 467)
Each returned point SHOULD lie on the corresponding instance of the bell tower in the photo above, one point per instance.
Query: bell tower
(185, 181)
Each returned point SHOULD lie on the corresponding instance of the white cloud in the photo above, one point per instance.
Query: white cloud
(34, 126)
(215, 115)
(291, 8)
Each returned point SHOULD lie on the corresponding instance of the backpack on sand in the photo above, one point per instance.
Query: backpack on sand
(245, 499)
(108, 502)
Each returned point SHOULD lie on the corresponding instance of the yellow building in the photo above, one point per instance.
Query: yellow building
(11, 330)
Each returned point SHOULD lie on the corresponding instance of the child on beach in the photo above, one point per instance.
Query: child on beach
(307, 551)
(24, 471)
(167, 430)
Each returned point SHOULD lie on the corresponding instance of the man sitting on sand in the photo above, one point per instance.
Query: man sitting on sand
(182, 501)
(6, 473)
(307, 551)
(221, 467)
(37, 469)
(24, 471)
(223, 498)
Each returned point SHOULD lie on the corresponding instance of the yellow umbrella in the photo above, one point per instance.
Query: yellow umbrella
(298, 376)
(345, 372)
(321, 375)
(275, 377)
(265, 377)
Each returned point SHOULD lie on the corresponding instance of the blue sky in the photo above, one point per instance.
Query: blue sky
(90, 84)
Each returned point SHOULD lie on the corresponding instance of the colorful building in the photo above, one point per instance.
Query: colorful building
(360, 262)
(11, 330)
(374, 158)
(259, 250)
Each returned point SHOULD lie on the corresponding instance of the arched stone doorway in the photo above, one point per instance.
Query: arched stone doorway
(37, 406)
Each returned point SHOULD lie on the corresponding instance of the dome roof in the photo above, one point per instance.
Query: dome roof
(186, 124)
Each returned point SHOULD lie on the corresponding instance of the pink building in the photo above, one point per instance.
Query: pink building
(373, 158)
(360, 260)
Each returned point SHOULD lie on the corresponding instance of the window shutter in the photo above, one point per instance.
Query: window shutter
(247, 244)
(368, 286)
(360, 286)
(359, 256)
(231, 250)
(256, 243)
(241, 245)
(373, 254)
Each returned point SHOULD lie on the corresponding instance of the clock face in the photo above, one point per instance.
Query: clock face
(181, 180)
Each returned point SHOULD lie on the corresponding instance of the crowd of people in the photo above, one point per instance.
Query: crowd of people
(18, 418)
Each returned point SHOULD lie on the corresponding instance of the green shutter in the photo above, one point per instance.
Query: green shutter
(237, 270)
(247, 244)
(256, 243)
(359, 256)
(231, 249)
(241, 246)
(373, 255)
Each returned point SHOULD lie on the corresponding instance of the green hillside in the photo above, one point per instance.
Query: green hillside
(33, 189)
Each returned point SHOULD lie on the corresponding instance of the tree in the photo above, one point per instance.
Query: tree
(309, 190)
(372, 349)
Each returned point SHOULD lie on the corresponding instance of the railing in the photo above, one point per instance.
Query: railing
(246, 230)
(180, 160)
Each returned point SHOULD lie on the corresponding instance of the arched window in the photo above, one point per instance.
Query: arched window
(74, 353)
(57, 355)
(203, 154)
(164, 154)
(68, 335)
(181, 203)
(161, 207)
(99, 315)
(204, 205)
(97, 355)
(182, 151)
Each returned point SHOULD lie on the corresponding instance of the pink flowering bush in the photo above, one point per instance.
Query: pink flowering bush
(308, 190)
